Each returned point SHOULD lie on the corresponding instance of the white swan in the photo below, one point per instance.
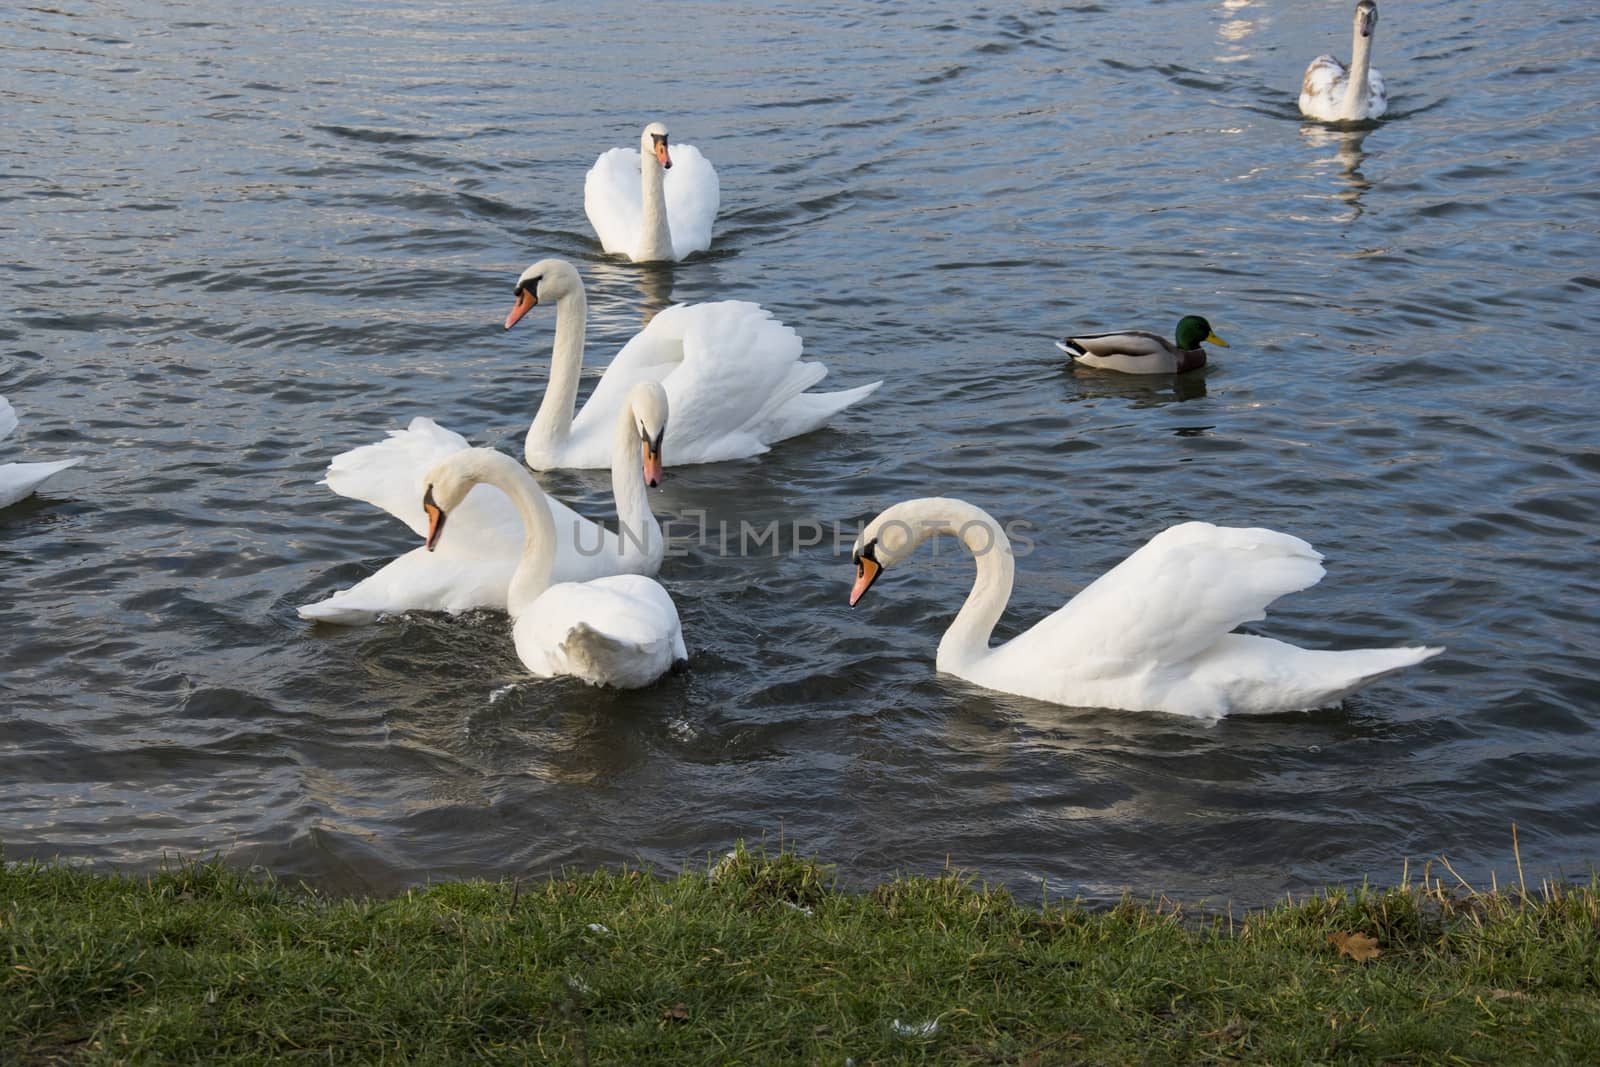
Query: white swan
(640, 211)
(734, 378)
(1331, 93)
(474, 569)
(1151, 634)
(621, 631)
(18, 480)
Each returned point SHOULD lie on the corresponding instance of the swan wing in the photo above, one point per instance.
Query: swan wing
(1322, 89)
(612, 200)
(8, 418)
(693, 195)
(1173, 599)
(419, 580)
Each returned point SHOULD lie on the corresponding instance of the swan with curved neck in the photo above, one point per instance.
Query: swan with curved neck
(1331, 93)
(475, 571)
(637, 212)
(732, 373)
(621, 630)
(1151, 634)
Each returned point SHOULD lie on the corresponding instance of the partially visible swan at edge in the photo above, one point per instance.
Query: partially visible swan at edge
(18, 480)
(734, 378)
(640, 211)
(1151, 634)
(621, 631)
(1331, 93)
(474, 569)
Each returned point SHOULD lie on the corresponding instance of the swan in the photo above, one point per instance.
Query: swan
(1331, 93)
(622, 630)
(733, 375)
(1140, 352)
(639, 211)
(1151, 634)
(18, 480)
(475, 568)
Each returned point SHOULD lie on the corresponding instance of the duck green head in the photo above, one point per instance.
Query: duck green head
(1193, 329)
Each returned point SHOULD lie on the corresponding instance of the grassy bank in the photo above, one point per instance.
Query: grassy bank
(764, 962)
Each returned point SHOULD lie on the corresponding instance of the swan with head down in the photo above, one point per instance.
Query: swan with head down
(473, 569)
(620, 631)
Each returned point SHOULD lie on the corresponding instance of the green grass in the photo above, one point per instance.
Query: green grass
(765, 961)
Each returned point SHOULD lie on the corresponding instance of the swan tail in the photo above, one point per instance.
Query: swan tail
(800, 412)
(1259, 675)
(388, 474)
(626, 662)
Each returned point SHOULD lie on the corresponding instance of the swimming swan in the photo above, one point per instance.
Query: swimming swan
(474, 569)
(640, 211)
(1151, 634)
(1331, 93)
(621, 631)
(734, 378)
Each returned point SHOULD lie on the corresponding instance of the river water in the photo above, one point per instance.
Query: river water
(240, 241)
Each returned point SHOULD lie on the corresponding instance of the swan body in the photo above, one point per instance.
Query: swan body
(621, 630)
(473, 569)
(1141, 352)
(733, 377)
(1151, 634)
(1330, 93)
(18, 480)
(640, 210)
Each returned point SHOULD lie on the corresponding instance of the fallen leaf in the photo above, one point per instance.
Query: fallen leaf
(679, 1012)
(1358, 947)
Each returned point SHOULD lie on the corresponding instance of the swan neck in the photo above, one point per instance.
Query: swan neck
(532, 576)
(1355, 95)
(637, 528)
(552, 426)
(967, 639)
(655, 238)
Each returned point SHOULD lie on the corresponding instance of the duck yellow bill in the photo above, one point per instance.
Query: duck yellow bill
(867, 572)
(652, 466)
(525, 302)
(1214, 339)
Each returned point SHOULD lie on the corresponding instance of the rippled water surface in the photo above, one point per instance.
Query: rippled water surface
(240, 242)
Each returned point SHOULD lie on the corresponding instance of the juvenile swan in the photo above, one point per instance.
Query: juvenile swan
(1331, 93)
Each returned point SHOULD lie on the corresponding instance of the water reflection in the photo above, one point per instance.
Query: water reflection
(652, 280)
(1348, 155)
(1237, 24)
(1145, 390)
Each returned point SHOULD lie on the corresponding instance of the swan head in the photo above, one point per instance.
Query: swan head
(1366, 18)
(647, 402)
(653, 142)
(883, 542)
(447, 484)
(1192, 330)
(548, 279)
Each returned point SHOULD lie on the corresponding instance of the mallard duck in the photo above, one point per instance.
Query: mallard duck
(1141, 352)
